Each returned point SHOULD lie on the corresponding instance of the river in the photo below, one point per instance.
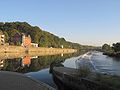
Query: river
(38, 67)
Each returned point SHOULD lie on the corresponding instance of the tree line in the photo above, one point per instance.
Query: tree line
(43, 38)
(113, 50)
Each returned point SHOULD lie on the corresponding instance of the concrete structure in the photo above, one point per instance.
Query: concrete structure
(2, 38)
(16, 81)
(38, 50)
(71, 78)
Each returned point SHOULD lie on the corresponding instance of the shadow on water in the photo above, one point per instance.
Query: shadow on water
(60, 85)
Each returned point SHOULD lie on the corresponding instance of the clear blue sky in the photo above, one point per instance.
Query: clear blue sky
(91, 22)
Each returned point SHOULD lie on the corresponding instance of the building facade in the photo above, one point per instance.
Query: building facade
(26, 41)
(2, 38)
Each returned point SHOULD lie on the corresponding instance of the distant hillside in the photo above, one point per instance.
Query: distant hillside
(43, 38)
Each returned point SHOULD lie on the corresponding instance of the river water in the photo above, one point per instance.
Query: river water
(100, 63)
(38, 67)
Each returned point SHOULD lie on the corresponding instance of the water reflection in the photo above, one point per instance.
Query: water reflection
(26, 60)
(1, 63)
(30, 63)
(34, 66)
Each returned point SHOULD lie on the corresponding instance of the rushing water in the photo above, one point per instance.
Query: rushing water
(100, 63)
(106, 64)
(38, 67)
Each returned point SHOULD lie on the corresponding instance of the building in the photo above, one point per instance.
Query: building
(62, 46)
(26, 41)
(2, 38)
(34, 44)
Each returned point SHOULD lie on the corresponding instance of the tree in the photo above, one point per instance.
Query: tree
(116, 47)
(106, 48)
(43, 38)
(6, 36)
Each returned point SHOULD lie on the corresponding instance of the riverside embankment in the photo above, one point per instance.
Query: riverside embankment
(20, 49)
(94, 71)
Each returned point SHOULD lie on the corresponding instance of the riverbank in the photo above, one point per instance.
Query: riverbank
(30, 54)
(88, 76)
(112, 54)
(20, 49)
(112, 51)
(91, 81)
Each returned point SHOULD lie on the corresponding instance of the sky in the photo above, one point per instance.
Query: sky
(88, 22)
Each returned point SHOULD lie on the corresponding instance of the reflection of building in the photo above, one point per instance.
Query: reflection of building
(2, 40)
(26, 61)
(1, 64)
(62, 54)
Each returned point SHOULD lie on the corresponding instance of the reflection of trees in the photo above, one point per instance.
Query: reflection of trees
(45, 61)
(12, 65)
(36, 63)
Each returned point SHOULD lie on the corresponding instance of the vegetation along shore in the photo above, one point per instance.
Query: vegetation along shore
(113, 51)
(22, 37)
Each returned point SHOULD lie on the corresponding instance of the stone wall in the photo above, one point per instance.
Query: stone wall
(17, 49)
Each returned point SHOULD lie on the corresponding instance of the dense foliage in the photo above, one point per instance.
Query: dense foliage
(113, 50)
(43, 38)
(106, 48)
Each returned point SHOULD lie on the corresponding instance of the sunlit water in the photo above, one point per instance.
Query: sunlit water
(106, 64)
(100, 63)
(38, 67)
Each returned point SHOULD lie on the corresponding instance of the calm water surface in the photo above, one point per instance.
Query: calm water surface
(38, 67)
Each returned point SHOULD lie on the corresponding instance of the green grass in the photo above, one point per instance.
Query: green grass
(103, 79)
(108, 80)
(84, 72)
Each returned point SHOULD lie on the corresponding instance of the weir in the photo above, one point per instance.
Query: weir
(70, 77)
(81, 78)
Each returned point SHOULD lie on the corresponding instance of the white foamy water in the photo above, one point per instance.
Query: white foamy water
(98, 62)
(86, 61)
